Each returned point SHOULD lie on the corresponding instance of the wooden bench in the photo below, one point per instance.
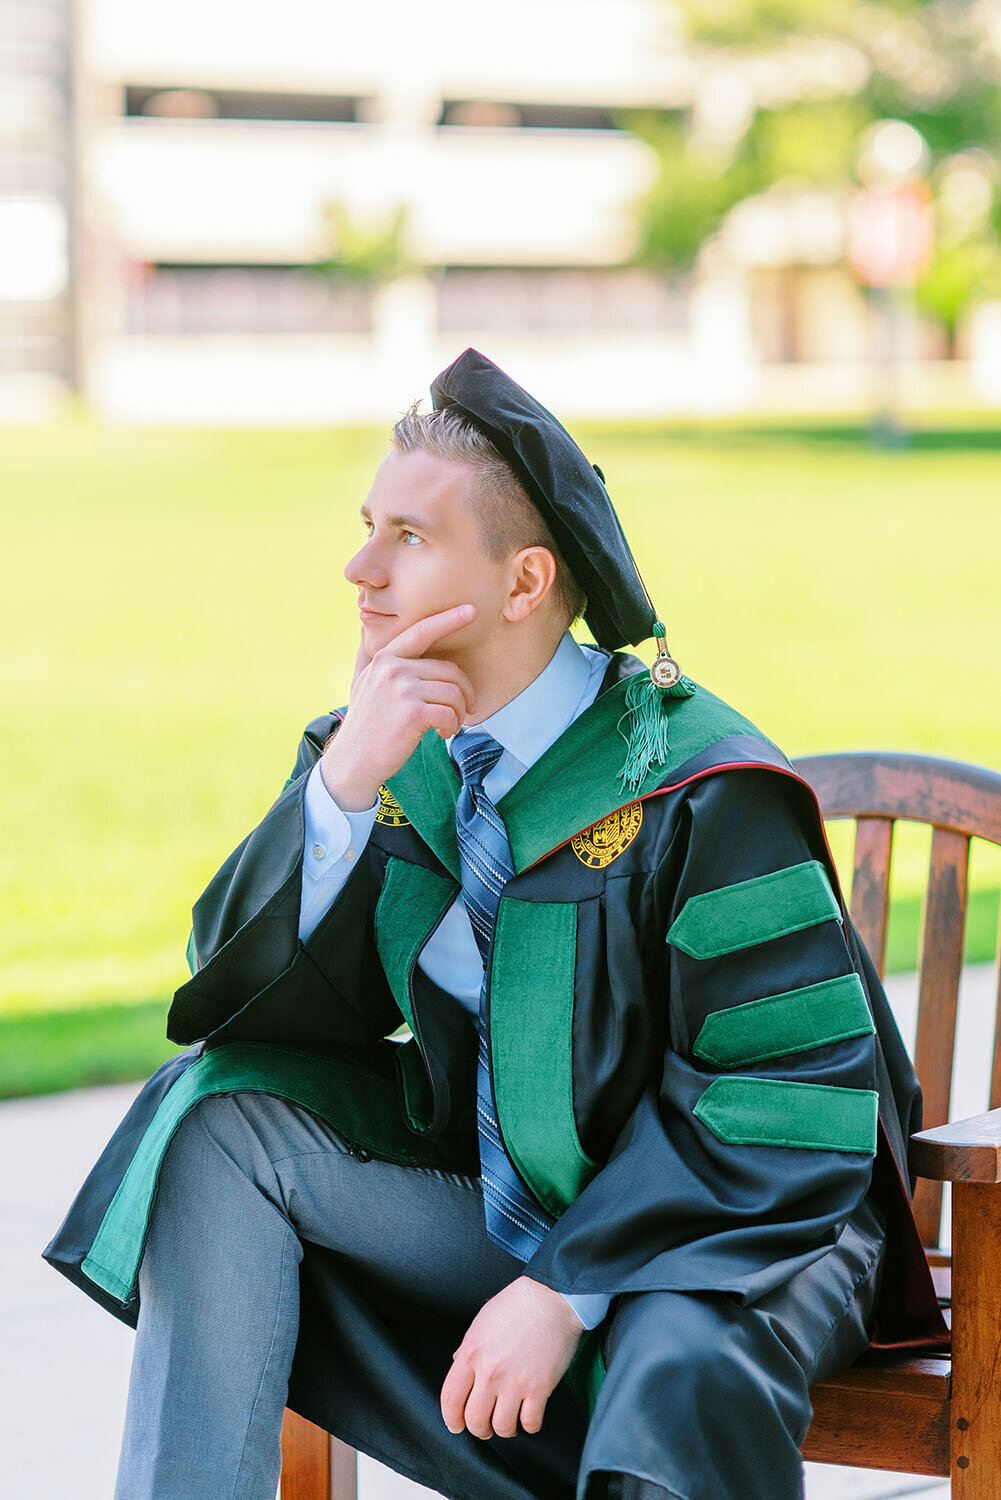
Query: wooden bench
(932, 1415)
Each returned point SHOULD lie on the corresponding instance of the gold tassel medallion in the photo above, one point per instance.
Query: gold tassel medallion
(647, 712)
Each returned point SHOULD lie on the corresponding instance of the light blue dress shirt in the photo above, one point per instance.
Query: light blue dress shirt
(526, 726)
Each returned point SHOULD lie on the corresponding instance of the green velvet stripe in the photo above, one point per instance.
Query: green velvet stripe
(755, 911)
(531, 1046)
(363, 1105)
(427, 788)
(777, 1112)
(794, 1021)
(411, 902)
(572, 785)
(191, 953)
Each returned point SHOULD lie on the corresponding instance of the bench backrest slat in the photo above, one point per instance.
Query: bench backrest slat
(995, 1100)
(871, 884)
(943, 921)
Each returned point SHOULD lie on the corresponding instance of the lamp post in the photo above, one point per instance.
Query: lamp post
(891, 241)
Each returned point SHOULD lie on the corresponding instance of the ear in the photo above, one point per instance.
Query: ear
(532, 575)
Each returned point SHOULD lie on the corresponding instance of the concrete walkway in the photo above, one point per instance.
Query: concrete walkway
(64, 1363)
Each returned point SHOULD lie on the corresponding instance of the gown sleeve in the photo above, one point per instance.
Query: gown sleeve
(753, 1137)
(252, 978)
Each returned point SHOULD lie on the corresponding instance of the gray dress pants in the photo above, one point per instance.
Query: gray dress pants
(248, 1178)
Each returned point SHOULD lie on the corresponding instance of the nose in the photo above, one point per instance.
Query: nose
(365, 569)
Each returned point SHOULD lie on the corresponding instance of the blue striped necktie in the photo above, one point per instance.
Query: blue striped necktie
(513, 1218)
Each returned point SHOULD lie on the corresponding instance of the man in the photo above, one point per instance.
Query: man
(645, 1062)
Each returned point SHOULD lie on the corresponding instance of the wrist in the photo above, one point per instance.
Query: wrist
(352, 789)
(557, 1302)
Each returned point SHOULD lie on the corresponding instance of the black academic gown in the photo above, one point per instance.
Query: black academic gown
(695, 1067)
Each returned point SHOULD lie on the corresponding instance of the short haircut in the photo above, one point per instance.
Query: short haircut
(505, 513)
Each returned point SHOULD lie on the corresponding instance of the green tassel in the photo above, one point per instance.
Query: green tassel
(646, 735)
(647, 712)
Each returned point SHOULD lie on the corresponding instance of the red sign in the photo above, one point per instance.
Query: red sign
(891, 233)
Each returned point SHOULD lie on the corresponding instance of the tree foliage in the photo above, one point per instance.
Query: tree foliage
(367, 250)
(815, 74)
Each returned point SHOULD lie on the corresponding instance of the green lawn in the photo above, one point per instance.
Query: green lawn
(174, 610)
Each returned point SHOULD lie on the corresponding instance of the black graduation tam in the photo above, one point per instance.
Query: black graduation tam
(564, 487)
(571, 495)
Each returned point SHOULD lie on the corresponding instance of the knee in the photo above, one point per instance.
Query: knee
(717, 1358)
(219, 1132)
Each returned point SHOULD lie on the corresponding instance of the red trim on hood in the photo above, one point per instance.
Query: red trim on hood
(736, 765)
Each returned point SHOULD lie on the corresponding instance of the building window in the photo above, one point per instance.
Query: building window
(617, 300)
(241, 104)
(525, 116)
(205, 300)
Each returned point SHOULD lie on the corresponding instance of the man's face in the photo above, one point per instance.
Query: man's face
(423, 553)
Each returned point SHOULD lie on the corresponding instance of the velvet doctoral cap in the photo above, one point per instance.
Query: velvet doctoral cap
(569, 492)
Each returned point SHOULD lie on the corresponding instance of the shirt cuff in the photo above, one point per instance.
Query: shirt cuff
(590, 1307)
(331, 833)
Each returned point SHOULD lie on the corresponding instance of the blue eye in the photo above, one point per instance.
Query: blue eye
(369, 525)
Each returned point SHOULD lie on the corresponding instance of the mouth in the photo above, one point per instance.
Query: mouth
(372, 614)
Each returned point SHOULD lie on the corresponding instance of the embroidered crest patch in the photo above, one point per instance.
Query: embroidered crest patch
(604, 841)
(390, 812)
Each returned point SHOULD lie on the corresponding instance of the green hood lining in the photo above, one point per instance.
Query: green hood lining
(573, 785)
(361, 1104)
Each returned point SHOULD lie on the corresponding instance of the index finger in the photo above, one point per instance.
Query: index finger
(421, 636)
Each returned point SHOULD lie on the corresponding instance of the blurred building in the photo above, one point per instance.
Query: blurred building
(38, 341)
(224, 138)
(175, 194)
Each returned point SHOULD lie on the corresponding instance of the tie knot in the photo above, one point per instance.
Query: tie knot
(475, 753)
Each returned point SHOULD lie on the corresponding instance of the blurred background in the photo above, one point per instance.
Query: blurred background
(747, 249)
(211, 212)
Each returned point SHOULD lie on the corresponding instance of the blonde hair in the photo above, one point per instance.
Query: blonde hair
(507, 517)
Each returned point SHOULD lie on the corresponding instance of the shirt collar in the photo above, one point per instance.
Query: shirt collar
(530, 721)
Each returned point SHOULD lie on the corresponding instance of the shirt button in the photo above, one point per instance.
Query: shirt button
(349, 854)
(319, 852)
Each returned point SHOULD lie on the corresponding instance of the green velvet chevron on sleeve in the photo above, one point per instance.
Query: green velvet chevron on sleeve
(754, 911)
(778, 1112)
(776, 1025)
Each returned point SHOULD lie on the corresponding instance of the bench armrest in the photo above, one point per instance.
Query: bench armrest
(962, 1151)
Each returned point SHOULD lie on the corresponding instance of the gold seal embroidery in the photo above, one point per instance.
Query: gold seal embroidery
(604, 841)
(390, 812)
